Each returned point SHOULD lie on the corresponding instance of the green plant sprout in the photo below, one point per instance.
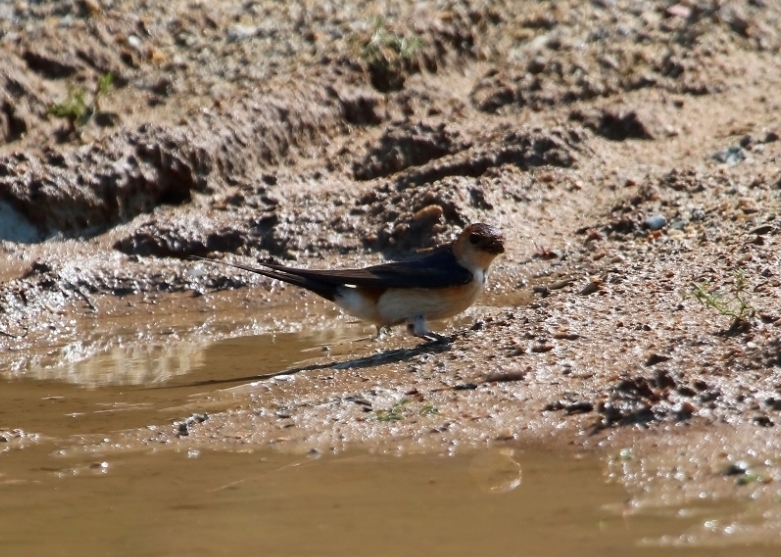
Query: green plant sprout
(733, 304)
(105, 86)
(399, 411)
(394, 414)
(390, 56)
(75, 109)
(388, 49)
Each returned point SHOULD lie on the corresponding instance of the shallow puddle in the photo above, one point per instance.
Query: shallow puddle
(214, 503)
(56, 498)
(136, 385)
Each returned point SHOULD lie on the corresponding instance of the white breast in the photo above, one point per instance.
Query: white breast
(362, 307)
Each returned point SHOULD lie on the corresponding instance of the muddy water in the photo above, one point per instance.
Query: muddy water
(136, 385)
(167, 503)
(60, 494)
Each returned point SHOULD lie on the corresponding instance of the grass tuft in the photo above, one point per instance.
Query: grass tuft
(390, 57)
(734, 303)
(75, 108)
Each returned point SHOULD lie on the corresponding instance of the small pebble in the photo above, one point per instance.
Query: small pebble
(731, 156)
(737, 468)
(134, 42)
(655, 222)
(240, 33)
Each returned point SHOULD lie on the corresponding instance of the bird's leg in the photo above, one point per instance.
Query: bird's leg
(418, 327)
(381, 333)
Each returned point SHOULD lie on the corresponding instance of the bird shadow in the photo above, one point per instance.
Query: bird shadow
(388, 357)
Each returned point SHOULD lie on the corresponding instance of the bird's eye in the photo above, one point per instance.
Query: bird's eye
(474, 238)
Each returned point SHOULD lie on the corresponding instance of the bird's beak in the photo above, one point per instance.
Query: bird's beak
(495, 246)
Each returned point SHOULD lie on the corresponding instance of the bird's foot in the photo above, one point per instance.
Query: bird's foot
(436, 338)
(417, 328)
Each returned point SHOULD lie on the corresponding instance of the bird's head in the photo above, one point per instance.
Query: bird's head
(478, 245)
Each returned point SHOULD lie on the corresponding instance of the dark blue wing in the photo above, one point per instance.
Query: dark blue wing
(437, 270)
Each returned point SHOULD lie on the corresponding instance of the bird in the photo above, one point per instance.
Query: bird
(436, 286)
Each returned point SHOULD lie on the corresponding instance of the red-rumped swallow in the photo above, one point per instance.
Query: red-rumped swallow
(437, 286)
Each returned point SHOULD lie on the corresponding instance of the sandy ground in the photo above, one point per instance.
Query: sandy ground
(629, 150)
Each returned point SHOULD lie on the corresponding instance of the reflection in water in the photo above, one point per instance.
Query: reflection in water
(133, 364)
(496, 471)
(129, 360)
